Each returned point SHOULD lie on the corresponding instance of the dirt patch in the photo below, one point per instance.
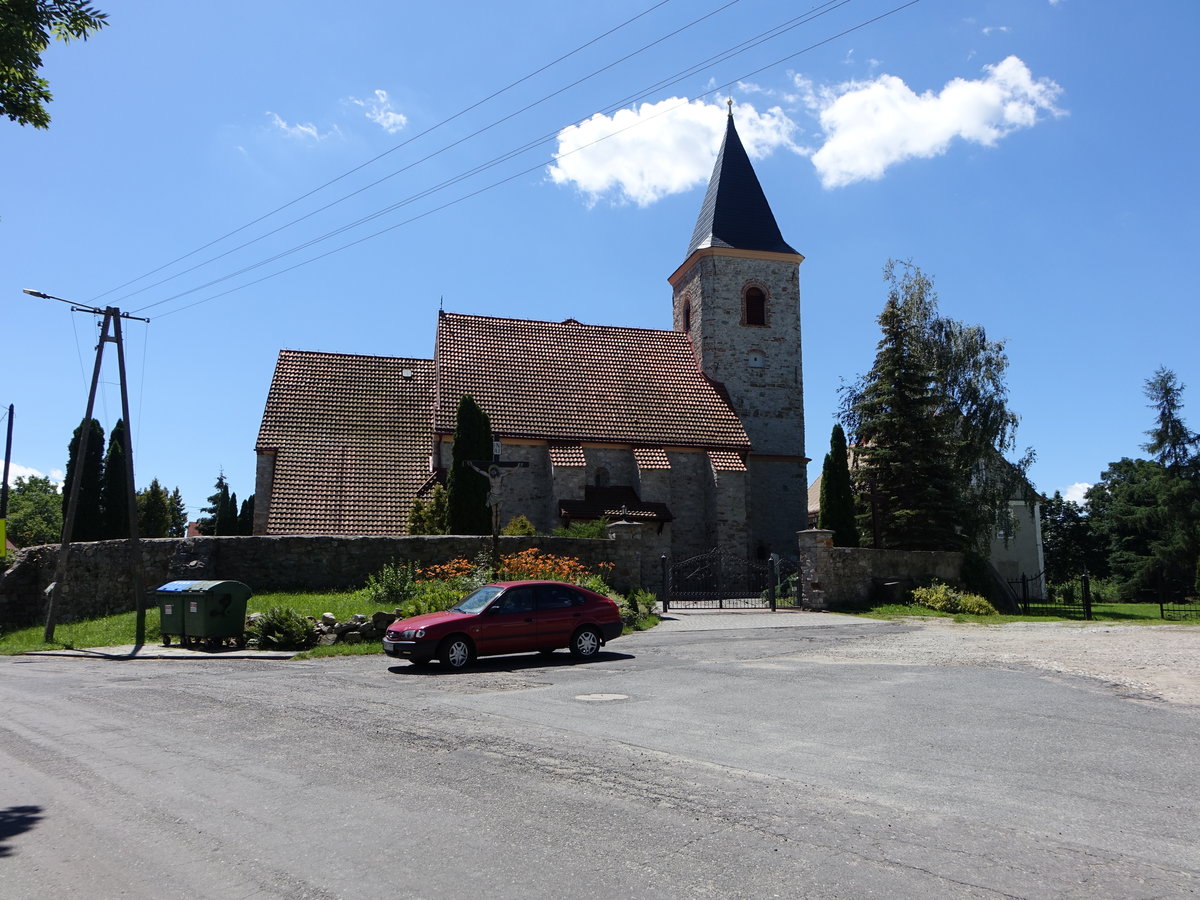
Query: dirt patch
(1159, 663)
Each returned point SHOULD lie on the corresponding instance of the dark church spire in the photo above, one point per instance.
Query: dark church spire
(735, 213)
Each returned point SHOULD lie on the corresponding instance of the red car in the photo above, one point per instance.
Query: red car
(508, 617)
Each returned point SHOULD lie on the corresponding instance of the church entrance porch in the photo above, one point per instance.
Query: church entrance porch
(723, 579)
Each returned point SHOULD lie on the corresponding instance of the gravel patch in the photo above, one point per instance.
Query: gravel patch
(1158, 663)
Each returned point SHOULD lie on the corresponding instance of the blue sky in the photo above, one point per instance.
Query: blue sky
(1036, 158)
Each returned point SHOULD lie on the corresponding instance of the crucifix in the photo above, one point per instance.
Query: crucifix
(495, 472)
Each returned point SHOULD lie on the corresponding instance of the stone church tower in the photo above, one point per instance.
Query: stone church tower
(737, 296)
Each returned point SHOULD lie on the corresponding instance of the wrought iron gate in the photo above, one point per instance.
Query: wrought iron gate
(720, 579)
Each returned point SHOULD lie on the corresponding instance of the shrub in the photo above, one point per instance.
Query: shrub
(392, 585)
(432, 596)
(282, 628)
(519, 526)
(597, 528)
(944, 598)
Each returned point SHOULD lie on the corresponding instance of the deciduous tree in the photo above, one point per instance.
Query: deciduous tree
(154, 511)
(34, 512)
(26, 29)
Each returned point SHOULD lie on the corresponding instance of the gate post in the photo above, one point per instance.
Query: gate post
(1025, 593)
(773, 575)
(666, 584)
(1086, 581)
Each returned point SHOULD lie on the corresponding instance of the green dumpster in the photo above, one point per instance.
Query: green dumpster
(212, 613)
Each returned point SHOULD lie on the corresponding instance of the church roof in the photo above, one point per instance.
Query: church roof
(735, 213)
(566, 381)
(351, 437)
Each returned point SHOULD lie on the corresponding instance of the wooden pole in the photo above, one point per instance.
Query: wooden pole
(60, 568)
(135, 545)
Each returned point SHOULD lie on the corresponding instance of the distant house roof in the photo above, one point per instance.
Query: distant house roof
(567, 382)
(351, 440)
(735, 213)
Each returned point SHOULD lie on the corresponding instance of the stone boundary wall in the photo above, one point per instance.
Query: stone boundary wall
(99, 582)
(845, 577)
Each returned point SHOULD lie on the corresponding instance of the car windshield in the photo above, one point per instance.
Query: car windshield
(475, 602)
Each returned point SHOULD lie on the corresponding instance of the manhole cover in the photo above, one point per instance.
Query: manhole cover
(601, 696)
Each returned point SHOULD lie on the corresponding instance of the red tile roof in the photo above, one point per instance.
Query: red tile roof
(564, 381)
(651, 458)
(352, 440)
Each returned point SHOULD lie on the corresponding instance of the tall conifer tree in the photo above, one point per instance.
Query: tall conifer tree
(89, 511)
(467, 509)
(115, 494)
(837, 493)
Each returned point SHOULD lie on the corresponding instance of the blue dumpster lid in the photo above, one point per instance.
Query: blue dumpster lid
(196, 586)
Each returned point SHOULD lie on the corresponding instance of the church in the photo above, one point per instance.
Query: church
(696, 433)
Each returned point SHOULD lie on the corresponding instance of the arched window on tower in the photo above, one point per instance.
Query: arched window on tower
(687, 314)
(754, 307)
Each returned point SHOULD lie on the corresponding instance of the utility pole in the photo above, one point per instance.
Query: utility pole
(4, 488)
(112, 319)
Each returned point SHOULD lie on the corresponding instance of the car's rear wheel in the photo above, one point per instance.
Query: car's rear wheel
(456, 652)
(585, 643)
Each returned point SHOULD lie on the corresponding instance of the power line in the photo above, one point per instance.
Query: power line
(391, 150)
(493, 185)
(415, 163)
(724, 56)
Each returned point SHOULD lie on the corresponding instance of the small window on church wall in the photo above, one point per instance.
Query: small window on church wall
(754, 307)
(687, 315)
(602, 477)
(755, 359)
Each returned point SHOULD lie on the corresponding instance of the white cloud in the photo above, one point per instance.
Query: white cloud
(1003, 29)
(379, 110)
(870, 126)
(16, 470)
(642, 155)
(1076, 493)
(300, 131)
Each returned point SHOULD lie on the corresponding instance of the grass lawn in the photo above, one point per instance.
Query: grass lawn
(1128, 613)
(112, 631)
(120, 629)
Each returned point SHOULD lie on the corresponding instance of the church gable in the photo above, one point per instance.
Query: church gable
(344, 444)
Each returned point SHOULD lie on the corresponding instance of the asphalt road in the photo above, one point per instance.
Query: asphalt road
(682, 763)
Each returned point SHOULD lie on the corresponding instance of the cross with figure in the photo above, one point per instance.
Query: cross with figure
(495, 471)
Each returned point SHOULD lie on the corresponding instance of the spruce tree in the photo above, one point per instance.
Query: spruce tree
(932, 428)
(837, 493)
(89, 511)
(115, 493)
(467, 509)
(217, 509)
(905, 453)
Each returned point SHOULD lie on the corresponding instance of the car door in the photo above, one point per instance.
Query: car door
(507, 625)
(559, 611)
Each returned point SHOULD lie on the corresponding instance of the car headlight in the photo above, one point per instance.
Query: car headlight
(408, 634)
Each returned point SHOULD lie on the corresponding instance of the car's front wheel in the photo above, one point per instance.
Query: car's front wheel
(585, 643)
(456, 652)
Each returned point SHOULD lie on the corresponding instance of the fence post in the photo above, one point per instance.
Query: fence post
(666, 587)
(1025, 593)
(773, 575)
(1086, 581)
